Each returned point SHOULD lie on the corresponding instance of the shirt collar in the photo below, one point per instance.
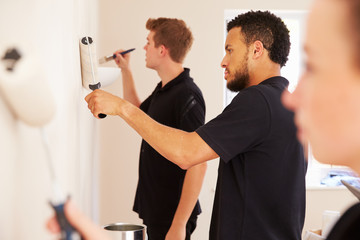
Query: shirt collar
(183, 75)
(278, 80)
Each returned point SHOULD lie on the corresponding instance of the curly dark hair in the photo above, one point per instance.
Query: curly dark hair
(267, 28)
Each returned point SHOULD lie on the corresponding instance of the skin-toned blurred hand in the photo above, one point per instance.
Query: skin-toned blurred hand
(87, 229)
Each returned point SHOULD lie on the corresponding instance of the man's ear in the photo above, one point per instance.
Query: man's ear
(258, 49)
(163, 50)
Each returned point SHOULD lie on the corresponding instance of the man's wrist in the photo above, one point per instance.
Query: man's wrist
(125, 70)
(179, 222)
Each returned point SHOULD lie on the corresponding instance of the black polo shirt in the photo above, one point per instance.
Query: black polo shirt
(348, 226)
(260, 192)
(179, 104)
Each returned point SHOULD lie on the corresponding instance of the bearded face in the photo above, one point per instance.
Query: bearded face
(239, 79)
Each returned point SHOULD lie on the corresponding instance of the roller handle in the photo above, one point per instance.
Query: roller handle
(68, 232)
(93, 87)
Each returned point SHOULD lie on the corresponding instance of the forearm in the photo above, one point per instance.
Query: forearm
(129, 90)
(182, 148)
(174, 144)
(169, 142)
(190, 193)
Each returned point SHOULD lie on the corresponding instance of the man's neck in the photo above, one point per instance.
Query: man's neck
(266, 72)
(169, 72)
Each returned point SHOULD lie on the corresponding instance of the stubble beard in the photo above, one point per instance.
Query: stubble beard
(241, 79)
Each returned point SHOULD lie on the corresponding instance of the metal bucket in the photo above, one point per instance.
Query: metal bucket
(126, 231)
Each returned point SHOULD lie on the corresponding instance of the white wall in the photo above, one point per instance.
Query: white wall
(319, 199)
(49, 30)
(122, 25)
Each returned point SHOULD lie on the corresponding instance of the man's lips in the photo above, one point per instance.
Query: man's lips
(226, 73)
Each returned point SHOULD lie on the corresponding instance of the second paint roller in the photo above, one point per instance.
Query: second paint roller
(88, 61)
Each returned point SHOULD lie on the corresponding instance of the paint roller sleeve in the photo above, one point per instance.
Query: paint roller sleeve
(89, 66)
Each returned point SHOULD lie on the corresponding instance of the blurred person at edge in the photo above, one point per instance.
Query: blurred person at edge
(326, 101)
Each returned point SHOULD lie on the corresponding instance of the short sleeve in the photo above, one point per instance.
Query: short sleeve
(192, 114)
(243, 124)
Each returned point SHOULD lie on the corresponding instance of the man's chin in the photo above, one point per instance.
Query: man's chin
(234, 88)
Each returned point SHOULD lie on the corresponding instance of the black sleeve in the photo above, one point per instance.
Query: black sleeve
(243, 124)
(192, 113)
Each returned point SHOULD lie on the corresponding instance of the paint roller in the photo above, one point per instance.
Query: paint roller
(26, 90)
(67, 231)
(89, 67)
(24, 86)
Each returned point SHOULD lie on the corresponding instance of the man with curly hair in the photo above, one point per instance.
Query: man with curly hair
(260, 192)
